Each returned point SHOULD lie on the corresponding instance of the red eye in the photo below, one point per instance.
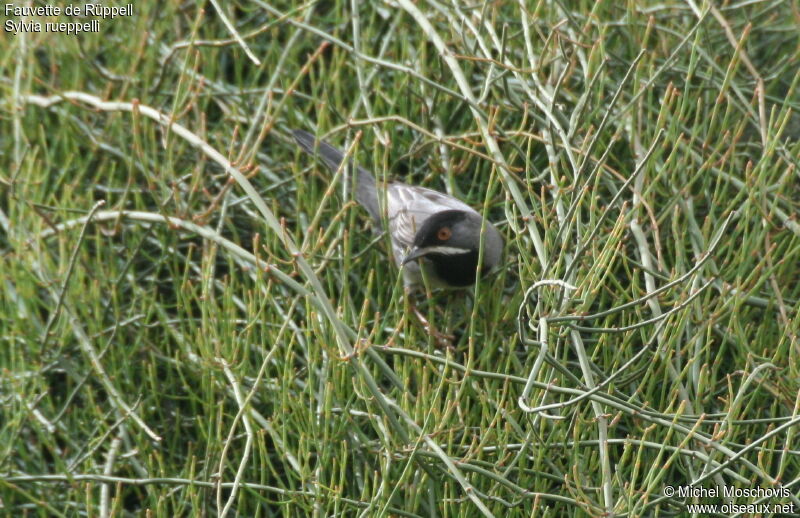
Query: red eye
(444, 234)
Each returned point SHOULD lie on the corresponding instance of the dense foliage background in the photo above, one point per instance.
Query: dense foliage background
(196, 319)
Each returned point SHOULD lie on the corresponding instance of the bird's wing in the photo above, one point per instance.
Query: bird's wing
(408, 207)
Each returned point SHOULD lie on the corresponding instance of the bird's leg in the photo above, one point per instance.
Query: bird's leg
(443, 340)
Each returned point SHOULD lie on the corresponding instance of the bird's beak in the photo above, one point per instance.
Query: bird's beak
(414, 253)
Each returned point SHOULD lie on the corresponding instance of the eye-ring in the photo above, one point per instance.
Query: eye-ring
(444, 234)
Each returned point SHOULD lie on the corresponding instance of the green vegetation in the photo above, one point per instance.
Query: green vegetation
(196, 318)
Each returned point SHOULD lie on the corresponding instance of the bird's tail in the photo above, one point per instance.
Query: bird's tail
(366, 192)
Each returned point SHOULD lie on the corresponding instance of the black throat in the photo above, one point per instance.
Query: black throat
(456, 270)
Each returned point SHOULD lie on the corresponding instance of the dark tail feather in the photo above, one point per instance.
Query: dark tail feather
(366, 192)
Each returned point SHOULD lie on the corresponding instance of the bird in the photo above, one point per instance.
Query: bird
(433, 235)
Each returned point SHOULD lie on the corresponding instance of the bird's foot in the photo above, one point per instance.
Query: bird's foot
(443, 340)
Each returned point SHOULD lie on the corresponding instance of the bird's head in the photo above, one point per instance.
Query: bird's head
(446, 233)
(450, 240)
